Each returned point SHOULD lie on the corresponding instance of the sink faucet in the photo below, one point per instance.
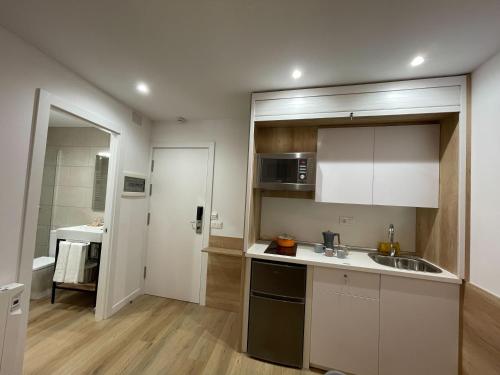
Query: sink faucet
(392, 248)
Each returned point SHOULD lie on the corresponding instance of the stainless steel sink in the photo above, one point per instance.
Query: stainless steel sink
(410, 263)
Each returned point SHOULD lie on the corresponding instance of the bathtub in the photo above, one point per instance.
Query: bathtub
(43, 271)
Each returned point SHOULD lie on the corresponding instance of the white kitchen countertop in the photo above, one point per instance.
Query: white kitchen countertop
(356, 261)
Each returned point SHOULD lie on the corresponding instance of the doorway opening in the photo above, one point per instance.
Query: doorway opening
(68, 217)
(71, 211)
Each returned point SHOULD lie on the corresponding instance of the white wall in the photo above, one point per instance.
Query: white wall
(306, 219)
(231, 149)
(485, 177)
(23, 70)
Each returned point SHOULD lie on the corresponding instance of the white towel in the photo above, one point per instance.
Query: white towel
(76, 263)
(83, 260)
(62, 261)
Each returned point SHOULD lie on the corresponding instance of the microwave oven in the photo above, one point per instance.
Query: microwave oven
(287, 171)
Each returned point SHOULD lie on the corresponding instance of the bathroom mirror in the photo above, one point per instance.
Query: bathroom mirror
(100, 182)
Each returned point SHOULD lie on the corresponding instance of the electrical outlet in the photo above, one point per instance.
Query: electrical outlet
(214, 215)
(346, 220)
(216, 224)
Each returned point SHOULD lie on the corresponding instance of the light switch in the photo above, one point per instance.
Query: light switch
(214, 215)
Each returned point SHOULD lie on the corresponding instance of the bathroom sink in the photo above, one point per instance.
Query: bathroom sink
(410, 263)
(81, 233)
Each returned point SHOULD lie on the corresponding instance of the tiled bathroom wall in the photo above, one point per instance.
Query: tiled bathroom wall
(68, 180)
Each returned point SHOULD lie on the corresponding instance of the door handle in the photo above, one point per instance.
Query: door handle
(198, 224)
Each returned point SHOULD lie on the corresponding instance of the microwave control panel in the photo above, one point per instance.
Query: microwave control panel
(302, 172)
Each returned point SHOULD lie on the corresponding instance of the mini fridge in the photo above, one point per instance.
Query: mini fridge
(276, 312)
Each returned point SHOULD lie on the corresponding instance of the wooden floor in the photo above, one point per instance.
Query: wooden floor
(151, 336)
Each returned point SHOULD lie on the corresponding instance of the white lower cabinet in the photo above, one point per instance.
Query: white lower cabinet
(419, 327)
(369, 324)
(345, 321)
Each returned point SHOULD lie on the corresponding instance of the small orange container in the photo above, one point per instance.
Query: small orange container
(285, 241)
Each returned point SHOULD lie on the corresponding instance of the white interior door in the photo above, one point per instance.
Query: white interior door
(179, 186)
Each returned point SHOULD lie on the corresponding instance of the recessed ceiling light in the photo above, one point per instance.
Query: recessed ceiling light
(417, 61)
(296, 74)
(142, 88)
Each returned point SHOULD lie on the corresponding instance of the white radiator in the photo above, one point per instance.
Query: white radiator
(10, 324)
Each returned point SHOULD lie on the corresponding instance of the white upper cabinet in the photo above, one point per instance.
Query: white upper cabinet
(406, 166)
(344, 171)
(383, 165)
(434, 95)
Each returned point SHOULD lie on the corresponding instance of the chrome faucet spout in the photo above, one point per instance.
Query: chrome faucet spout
(392, 248)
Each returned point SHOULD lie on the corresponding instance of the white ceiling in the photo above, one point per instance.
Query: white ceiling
(203, 58)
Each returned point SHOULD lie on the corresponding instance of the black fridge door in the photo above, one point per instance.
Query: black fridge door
(276, 330)
(278, 279)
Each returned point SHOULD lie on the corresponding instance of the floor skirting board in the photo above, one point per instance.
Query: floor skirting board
(124, 301)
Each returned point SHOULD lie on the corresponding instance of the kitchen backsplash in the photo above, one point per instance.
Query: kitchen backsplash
(306, 219)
